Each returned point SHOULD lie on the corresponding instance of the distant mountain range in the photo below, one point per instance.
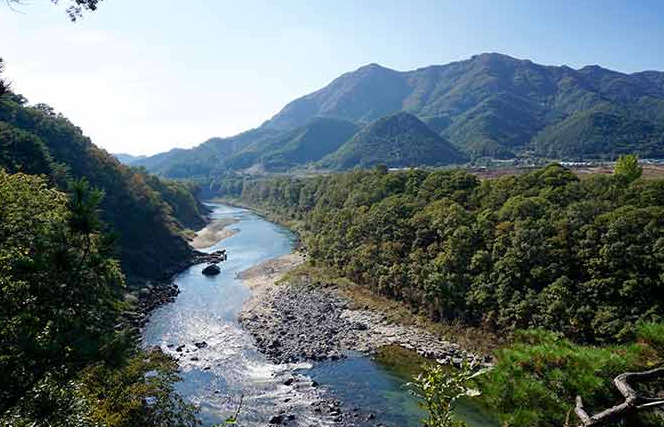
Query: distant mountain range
(489, 105)
(127, 159)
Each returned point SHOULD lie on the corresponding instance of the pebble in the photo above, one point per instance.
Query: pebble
(300, 322)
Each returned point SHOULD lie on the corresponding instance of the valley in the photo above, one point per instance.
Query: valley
(445, 240)
(220, 361)
(491, 106)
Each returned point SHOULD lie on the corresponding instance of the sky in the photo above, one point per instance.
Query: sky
(145, 76)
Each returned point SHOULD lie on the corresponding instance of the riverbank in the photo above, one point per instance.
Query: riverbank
(296, 319)
(163, 290)
(216, 231)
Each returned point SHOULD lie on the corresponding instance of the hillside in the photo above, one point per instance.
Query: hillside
(311, 142)
(36, 140)
(489, 105)
(397, 140)
(203, 159)
(127, 159)
(493, 104)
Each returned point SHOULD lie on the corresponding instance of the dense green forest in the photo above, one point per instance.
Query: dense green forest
(543, 251)
(147, 213)
(62, 296)
(398, 140)
(67, 211)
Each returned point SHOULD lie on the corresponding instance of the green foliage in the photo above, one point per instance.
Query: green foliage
(601, 134)
(628, 167)
(36, 140)
(181, 200)
(57, 279)
(652, 334)
(537, 379)
(440, 388)
(543, 249)
(137, 393)
(61, 359)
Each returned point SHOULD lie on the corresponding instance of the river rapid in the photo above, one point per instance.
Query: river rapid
(220, 363)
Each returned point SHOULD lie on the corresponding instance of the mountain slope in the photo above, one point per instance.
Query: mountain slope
(397, 140)
(287, 149)
(203, 159)
(489, 105)
(360, 96)
(35, 140)
(127, 159)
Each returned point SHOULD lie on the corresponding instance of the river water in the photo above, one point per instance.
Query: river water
(217, 375)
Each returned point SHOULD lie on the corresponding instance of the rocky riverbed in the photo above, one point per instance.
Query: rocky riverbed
(300, 321)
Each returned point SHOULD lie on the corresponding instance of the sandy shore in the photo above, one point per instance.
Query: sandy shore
(214, 232)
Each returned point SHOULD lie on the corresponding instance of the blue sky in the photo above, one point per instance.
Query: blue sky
(143, 76)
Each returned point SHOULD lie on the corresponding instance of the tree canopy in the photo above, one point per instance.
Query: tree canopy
(544, 249)
(61, 358)
(628, 167)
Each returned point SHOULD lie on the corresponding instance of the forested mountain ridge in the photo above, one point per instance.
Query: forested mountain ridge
(147, 214)
(127, 159)
(397, 140)
(493, 104)
(203, 159)
(489, 105)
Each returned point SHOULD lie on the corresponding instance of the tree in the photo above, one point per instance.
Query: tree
(75, 8)
(440, 388)
(59, 281)
(4, 84)
(628, 167)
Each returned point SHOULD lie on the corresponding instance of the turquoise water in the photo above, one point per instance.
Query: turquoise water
(230, 366)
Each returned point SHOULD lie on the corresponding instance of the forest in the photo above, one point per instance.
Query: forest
(75, 232)
(62, 299)
(575, 262)
(37, 140)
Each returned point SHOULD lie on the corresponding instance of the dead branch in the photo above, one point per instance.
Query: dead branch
(633, 401)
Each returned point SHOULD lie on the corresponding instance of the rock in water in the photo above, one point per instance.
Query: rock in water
(211, 270)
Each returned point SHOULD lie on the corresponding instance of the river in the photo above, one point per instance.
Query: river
(229, 366)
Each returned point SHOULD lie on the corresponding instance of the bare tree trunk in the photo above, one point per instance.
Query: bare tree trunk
(632, 404)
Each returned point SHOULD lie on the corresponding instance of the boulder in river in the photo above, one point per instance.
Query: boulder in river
(212, 270)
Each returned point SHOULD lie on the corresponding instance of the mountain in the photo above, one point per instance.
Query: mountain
(317, 138)
(493, 104)
(36, 140)
(397, 140)
(488, 105)
(127, 159)
(203, 159)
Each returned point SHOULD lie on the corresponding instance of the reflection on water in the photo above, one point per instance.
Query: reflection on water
(227, 364)
(376, 386)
